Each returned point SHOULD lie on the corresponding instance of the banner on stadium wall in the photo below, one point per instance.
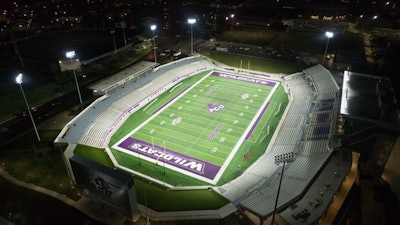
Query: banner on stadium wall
(69, 64)
(111, 186)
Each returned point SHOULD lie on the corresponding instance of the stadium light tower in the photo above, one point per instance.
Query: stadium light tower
(18, 79)
(71, 55)
(191, 22)
(281, 160)
(329, 35)
(153, 28)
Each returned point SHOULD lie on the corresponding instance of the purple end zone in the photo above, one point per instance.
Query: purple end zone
(176, 159)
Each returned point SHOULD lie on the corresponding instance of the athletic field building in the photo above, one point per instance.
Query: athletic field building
(260, 143)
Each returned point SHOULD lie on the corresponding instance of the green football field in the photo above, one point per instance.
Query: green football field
(199, 130)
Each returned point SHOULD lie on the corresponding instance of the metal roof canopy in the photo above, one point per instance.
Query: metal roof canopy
(129, 73)
(369, 98)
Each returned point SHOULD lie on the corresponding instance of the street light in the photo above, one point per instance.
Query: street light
(281, 159)
(232, 17)
(329, 35)
(191, 22)
(18, 79)
(71, 55)
(153, 27)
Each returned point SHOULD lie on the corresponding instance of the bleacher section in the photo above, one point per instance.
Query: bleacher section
(99, 119)
(306, 131)
(325, 85)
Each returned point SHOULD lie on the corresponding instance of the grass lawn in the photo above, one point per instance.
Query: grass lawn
(162, 200)
(37, 91)
(26, 207)
(40, 164)
(312, 42)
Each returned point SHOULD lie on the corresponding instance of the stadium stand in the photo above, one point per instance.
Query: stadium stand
(95, 124)
(313, 93)
(325, 85)
(305, 130)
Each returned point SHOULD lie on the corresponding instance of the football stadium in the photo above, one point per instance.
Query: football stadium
(262, 144)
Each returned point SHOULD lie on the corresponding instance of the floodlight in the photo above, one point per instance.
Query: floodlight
(329, 34)
(152, 28)
(70, 54)
(191, 22)
(18, 79)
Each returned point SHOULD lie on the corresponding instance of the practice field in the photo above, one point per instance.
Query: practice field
(199, 130)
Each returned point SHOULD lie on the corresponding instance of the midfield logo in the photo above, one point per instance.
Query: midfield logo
(214, 107)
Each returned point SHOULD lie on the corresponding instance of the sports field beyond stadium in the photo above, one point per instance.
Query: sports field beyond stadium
(200, 129)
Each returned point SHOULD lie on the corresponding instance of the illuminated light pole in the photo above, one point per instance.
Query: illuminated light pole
(329, 35)
(71, 55)
(191, 22)
(153, 28)
(281, 160)
(232, 18)
(18, 79)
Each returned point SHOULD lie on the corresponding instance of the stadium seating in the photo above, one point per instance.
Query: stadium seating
(306, 132)
(110, 109)
(326, 87)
